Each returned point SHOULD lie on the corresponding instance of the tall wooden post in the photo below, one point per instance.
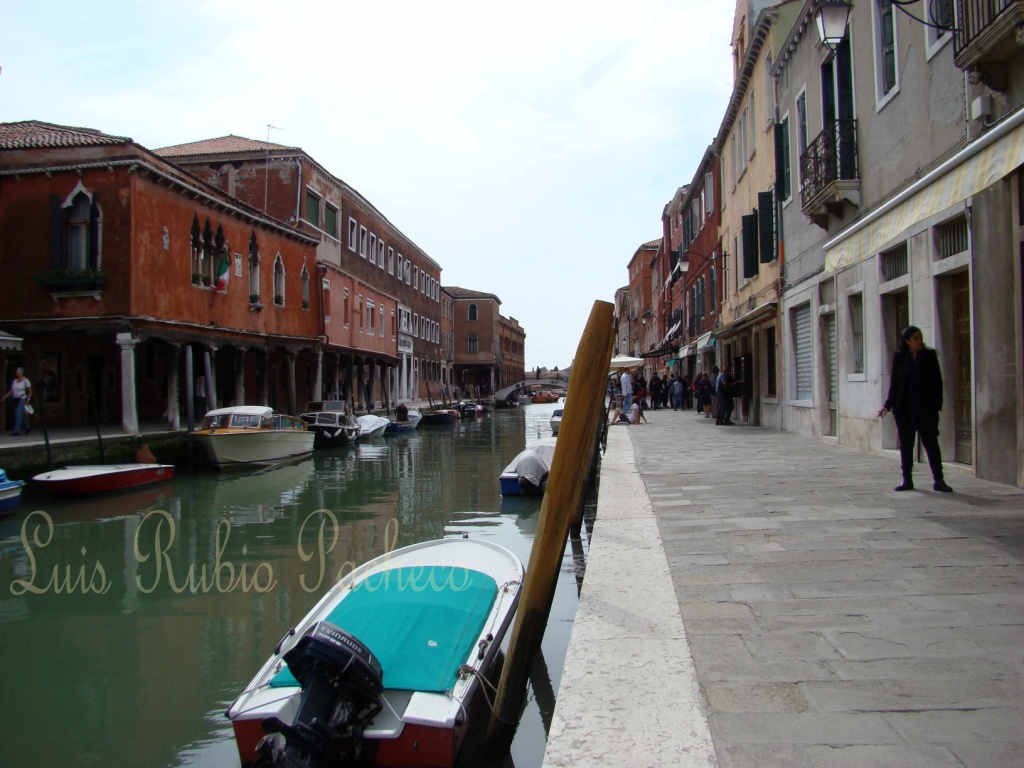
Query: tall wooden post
(572, 457)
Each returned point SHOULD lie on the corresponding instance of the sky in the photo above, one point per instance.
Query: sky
(528, 148)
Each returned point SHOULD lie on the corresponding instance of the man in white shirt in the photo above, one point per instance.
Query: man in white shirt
(626, 382)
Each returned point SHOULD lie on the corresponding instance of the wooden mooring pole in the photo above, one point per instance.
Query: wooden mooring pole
(569, 469)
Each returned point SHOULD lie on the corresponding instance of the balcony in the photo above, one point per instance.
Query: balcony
(73, 282)
(828, 170)
(987, 37)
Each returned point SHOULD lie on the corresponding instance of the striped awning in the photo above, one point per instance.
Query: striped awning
(973, 169)
(9, 342)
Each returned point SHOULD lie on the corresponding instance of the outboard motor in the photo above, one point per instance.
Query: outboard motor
(341, 686)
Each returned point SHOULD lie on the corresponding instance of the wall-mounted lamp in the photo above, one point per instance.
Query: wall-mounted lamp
(832, 18)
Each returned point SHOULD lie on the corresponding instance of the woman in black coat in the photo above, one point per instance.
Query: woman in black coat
(915, 399)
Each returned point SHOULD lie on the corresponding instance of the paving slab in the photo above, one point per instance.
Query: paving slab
(820, 619)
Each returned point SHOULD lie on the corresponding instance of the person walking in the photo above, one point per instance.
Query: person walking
(915, 399)
(21, 391)
(724, 401)
(675, 390)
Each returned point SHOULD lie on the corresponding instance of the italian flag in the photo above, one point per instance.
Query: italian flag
(222, 273)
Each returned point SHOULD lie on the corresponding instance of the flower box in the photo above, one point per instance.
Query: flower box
(72, 280)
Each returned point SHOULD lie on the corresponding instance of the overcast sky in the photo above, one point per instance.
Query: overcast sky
(528, 147)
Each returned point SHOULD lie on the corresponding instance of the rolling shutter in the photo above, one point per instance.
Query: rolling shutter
(803, 352)
(830, 321)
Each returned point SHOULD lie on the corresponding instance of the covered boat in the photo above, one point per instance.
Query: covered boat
(100, 478)
(243, 435)
(527, 474)
(371, 426)
(383, 669)
(332, 423)
(404, 421)
(10, 492)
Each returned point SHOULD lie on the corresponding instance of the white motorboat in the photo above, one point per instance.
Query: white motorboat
(244, 435)
(556, 420)
(383, 669)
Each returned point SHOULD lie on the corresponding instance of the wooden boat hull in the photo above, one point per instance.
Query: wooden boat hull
(102, 478)
(226, 448)
(444, 416)
(332, 437)
(421, 728)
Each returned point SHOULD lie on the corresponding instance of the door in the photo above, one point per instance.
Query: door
(963, 421)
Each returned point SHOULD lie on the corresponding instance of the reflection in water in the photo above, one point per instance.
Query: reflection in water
(203, 575)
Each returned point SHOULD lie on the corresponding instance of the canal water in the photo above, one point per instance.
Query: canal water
(130, 622)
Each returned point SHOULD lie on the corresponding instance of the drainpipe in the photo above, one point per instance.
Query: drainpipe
(298, 191)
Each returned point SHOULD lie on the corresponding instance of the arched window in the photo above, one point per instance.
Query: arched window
(471, 313)
(472, 345)
(305, 287)
(254, 267)
(278, 280)
(81, 220)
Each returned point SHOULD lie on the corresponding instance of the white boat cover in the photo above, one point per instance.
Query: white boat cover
(534, 462)
(369, 423)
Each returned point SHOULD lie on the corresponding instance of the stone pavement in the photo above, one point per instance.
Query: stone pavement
(828, 621)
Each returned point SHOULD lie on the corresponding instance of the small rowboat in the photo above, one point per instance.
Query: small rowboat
(441, 416)
(383, 670)
(408, 424)
(100, 478)
(10, 492)
(527, 473)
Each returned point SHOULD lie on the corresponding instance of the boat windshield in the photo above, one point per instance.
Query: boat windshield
(245, 421)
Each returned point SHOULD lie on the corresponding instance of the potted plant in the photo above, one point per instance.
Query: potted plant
(305, 303)
(196, 278)
(278, 299)
(206, 280)
(254, 298)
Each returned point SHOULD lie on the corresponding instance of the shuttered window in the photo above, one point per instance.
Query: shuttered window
(802, 351)
(830, 330)
(750, 246)
(766, 226)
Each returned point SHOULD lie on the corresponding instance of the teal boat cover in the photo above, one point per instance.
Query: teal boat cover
(419, 622)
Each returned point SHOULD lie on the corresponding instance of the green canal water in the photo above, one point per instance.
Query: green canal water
(130, 622)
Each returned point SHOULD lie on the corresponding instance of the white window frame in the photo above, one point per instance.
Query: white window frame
(803, 136)
(936, 39)
(353, 234)
(362, 241)
(884, 97)
(391, 260)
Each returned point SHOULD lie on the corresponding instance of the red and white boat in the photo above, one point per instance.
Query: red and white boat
(98, 478)
(383, 669)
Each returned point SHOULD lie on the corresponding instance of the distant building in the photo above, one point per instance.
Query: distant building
(489, 349)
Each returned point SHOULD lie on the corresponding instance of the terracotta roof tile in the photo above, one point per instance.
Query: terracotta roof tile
(467, 293)
(34, 134)
(225, 144)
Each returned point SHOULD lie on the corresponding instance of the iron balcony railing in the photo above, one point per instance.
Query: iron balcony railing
(831, 157)
(975, 16)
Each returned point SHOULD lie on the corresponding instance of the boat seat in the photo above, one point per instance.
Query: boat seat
(420, 623)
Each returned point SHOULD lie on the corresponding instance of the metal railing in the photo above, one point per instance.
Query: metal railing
(973, 16)
(831, 156)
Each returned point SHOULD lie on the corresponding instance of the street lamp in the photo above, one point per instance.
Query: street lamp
(832, 18)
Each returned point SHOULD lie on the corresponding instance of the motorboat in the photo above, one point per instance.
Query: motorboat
(382, 671)
(556, 420)
(544, 397)
(245, 435)
(527, 473)
(101, 478)
(441, 416)
(404, 421)
(468, 408)
(371, 426)
(10, 493)
(332, 423)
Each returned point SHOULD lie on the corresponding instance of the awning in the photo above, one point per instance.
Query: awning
(971, 170)
(660, 352)
(704, 342)
(688, 350)
(9, 342)
(768, 308)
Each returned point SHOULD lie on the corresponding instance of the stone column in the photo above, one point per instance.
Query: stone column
(318, 380)
(129, 408)
(289, 381)
(361, 386)
(373, 384)
(209, 353)
(240, 377)
(173, 395)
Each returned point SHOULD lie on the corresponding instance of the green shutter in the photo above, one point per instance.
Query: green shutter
(766, 226)
(750, 246)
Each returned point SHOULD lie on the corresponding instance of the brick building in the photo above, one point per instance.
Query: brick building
(483, 339)
(381, 293)
(135, 279)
